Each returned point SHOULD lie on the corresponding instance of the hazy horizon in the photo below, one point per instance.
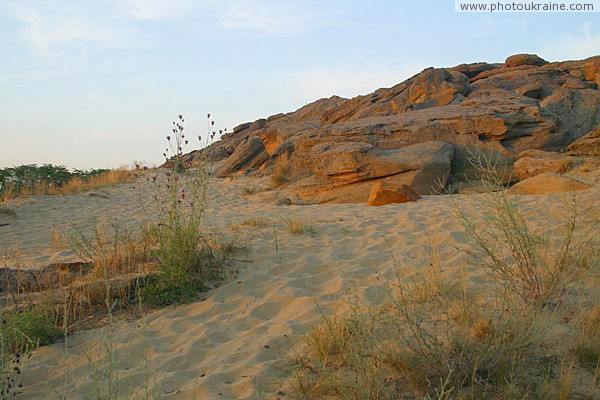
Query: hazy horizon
(97, 84)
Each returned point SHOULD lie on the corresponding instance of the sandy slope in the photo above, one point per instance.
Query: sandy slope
(234, 344)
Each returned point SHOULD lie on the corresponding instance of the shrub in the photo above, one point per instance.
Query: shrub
(517, 252)
(187, 260)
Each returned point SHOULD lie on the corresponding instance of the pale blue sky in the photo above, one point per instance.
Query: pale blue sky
(97, 83)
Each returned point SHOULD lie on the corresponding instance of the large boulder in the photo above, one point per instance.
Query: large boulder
(589, 145)
(424, 167)
(351, 162)
(384, 193)
(548, 183)
(534, 162)
(577, 111)
(518, 60)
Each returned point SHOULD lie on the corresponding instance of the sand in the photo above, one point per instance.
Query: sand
(235, 344)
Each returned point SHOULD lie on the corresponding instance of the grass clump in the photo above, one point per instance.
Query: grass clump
(27, 327)
(296, 225)
(281, 172)
(114, 250)
(22, 330)
(256, 222)
(205, 267)
(249, 191)
(587, 343)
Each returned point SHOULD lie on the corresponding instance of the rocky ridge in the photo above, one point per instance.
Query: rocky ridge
(422, 132)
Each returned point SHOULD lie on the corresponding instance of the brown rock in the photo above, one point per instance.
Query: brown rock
(432, 87)
(525, 59)
(577, 111)
(384, 193)
(534, 162)
(350, 162)
(250, 154)
(548, 183)
(472, 70)
(589, 145)
(241, 127)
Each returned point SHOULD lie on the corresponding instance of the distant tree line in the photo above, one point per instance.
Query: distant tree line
(28, 177)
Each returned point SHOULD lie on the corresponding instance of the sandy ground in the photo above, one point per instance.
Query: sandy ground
(234, 344)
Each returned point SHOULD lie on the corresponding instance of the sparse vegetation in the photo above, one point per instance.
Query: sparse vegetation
(250, 190)
(281, 172)
(428, 336)
(188, 257)
(22, 330)
(521, 255)
(587, 343)
(295, 224)
(255, 222)
(410, 348)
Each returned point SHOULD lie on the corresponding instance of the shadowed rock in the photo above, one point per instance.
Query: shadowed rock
(589, 145)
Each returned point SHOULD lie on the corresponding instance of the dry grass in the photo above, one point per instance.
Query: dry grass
(109, 178)
(409, 347)
(256, 222)
(59, 241)
(295, 225)
(281, 172)
(113, 250)
(587, 342)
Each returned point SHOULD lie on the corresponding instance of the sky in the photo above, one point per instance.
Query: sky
(96, 84)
